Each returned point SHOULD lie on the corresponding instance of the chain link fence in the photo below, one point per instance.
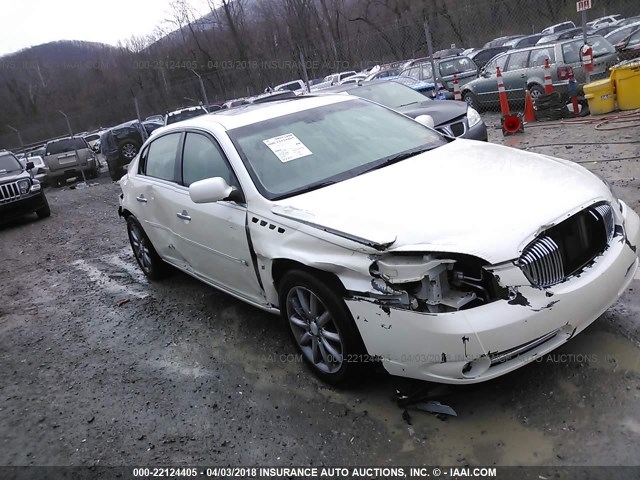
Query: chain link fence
(319, 36)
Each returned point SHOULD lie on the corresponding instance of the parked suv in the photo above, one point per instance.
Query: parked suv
(68, 157)
(19, 193)
(120, 144)
(558, 27)
(446, 68)
(525, 68)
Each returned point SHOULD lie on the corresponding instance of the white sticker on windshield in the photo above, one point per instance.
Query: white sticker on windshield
(287, 147)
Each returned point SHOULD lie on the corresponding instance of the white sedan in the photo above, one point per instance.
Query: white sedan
(379, 240)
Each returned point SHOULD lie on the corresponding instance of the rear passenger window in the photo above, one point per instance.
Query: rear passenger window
(202, 158)
(518, 61)
(413, 73)
(161, 157)
(539, 56)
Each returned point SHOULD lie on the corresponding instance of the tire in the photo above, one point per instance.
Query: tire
(536, 91)
(127, 150)
(45, 211)
(472, 100)
(148, 259)
(116, 173)
(324, 333)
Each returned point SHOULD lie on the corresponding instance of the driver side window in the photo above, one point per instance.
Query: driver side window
(202, 158)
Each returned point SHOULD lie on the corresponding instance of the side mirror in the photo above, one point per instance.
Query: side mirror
(426, 120)
(485, 74)
(30, 166)
(210, 190)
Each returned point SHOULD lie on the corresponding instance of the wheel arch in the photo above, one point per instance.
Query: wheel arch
(280, 266)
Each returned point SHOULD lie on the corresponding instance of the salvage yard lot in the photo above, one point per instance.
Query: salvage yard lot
(102, 367)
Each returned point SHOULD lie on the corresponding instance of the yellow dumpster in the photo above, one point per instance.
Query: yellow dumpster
(601, 96)
(626, 77)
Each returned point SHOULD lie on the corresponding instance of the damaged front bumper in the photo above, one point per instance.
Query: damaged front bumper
(481, 343)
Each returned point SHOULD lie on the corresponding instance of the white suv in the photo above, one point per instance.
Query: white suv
(379, 240)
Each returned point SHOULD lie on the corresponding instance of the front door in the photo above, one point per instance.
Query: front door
(212, 236)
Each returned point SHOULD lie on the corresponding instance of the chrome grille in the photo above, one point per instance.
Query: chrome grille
(453, 129)
(566, 248)
(9, 192)
(541, 262)
(605, 211)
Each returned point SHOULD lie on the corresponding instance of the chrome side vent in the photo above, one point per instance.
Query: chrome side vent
(605, 211)
(541, 262)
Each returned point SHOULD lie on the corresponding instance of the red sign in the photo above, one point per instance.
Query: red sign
(583, 5)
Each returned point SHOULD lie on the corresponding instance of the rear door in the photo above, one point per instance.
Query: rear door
(155, 189)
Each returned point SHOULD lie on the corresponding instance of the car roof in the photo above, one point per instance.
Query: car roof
(184, 109)
(257, 112)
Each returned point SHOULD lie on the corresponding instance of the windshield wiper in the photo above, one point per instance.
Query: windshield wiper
(402, 156)
(308, 188)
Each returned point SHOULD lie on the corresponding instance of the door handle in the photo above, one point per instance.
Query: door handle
(184, 215)
(523, 75)
(141, 199)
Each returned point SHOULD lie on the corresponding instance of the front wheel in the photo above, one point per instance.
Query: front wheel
(115, 172)
(45, 210)
(322, 328)
(472, 100)
(146, 256)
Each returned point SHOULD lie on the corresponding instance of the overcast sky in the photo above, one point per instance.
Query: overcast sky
(31, 22)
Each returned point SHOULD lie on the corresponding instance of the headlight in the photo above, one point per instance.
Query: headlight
(24, 186)
(473, 117)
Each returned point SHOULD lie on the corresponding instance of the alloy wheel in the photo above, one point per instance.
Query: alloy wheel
(315, 330)
(139, 243)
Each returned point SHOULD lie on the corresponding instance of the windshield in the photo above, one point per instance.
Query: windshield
(389, 94)
(618, 35)
(65, 145)
(184, 115)
(455, 66)
(8, 164)
(302, 151)
(571, 50)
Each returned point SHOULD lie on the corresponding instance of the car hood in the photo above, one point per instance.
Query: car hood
(13, 176)
(442, 111)
(466, 197)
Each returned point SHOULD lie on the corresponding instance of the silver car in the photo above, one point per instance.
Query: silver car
(524, 68)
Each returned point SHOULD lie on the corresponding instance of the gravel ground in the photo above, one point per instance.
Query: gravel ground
(102, 367)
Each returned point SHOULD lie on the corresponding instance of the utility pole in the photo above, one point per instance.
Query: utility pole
(84, 179)
(427, 33)
(17, 133)
(202, 89)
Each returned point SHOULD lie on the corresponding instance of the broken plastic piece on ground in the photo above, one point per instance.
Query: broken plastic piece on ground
(81, 185)
(122, 302)
(436, 407)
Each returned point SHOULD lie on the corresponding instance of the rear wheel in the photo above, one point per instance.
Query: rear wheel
(321, 327)
(536, 91)
(146, 256)
(128, 149)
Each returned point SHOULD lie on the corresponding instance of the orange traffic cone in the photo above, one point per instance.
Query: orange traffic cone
(456, 89)
(510, 123)
(529, 112)
(502, 93)
(548, 84)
